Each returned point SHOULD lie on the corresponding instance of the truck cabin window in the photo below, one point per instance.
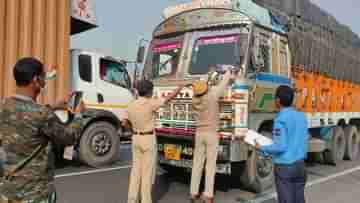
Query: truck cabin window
(262, 52)
(284, 63)
(165, 59)
(85, 68)
(216, 50)
(114, 73)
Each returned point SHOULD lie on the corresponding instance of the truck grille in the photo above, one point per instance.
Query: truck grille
(226, 108)
(182, 116)
(176, 115)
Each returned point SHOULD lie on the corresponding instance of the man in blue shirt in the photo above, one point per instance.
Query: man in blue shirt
(289, 149)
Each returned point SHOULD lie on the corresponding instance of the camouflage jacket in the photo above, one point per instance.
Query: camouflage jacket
(25, 125)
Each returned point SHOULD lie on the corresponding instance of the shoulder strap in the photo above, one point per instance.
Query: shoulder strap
(24, 162)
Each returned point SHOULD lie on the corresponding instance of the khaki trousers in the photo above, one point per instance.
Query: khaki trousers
(144, 152)
(206, 148)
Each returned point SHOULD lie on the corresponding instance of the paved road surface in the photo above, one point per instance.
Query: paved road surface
(110, 185)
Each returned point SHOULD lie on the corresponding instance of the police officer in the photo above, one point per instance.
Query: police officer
(205, 104)
(27, 130)
(290, 136)
(144, 150)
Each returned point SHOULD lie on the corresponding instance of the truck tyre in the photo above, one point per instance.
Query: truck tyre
(257, 175)
(352, 142)
(99, 144)
(335, 153)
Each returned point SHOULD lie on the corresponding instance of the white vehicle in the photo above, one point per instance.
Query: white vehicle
(103, 84)
(104, 81)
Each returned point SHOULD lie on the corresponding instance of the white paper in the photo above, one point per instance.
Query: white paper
(252, 136)
(166, 69)
(62, 115)
(68, 153)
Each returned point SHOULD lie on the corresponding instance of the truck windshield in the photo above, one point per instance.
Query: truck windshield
(114, 73)
(211, 51)
(163, 59)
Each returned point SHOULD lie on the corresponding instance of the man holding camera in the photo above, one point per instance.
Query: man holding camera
(27, 131)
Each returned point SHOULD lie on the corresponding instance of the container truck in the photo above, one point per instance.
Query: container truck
(271, 47)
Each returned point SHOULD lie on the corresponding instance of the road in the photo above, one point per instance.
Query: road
(110, 185)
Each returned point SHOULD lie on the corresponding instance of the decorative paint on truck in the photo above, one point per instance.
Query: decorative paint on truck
(249, 37)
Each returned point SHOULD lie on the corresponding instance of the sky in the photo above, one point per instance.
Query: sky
(122, 23)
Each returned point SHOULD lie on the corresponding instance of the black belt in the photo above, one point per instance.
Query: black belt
(292, 164)
(144, 133)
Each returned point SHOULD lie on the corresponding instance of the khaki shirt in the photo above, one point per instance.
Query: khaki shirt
(207, 111)
(141, 113)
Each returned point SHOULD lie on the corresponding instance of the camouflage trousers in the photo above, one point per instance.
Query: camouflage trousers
(51, 199)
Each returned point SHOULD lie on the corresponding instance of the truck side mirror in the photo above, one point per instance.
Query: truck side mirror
(140, 54)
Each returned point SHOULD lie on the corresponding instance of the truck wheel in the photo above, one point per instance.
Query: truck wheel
(99, 144)
(336, 151)
(257, 175)
(352, 142)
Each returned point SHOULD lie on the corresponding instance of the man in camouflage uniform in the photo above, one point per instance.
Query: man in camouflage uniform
(27, 131)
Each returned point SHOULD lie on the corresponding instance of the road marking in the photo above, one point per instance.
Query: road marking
(336, 175)
(257, 200)
(93, 171)
(310, 184)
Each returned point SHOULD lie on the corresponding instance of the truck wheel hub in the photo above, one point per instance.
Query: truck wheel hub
(101, 144)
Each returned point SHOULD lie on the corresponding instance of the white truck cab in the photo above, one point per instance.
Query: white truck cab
(104, 81)
(104, 86)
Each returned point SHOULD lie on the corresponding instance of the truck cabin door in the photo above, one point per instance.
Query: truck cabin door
(113, 86)
(82, 74)
(268, 67)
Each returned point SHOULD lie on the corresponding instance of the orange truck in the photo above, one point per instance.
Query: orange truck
(241, 33)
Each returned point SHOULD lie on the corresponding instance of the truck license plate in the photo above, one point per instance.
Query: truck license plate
(172, 152)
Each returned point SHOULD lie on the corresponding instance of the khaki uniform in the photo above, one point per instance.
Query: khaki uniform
(206, 140)
(24, 127)
(144, 149)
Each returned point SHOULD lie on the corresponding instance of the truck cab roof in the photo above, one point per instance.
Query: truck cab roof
(98, 53)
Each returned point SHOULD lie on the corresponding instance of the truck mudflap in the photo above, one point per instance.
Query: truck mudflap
(221, 168)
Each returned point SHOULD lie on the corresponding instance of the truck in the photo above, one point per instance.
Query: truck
(103, 85)
(271, 47)
(43, 29)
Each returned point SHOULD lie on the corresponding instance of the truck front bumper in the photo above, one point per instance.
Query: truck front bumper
(221, 168)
